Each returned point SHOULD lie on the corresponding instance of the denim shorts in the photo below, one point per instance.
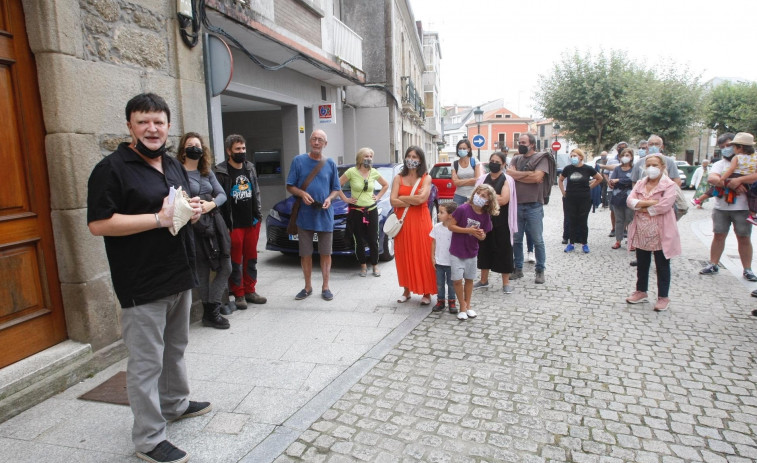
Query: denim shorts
(462, 268)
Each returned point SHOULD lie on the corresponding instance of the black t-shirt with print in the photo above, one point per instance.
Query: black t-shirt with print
(579, 179)
(241, 198)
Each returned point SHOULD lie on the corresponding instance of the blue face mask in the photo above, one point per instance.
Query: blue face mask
(574, 161)
(653, 150)
(462, 153)
(727, 152)
(642, 152)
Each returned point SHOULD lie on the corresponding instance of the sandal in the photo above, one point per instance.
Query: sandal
(363, 272)
(403, 298)
(616, 245)
(376, 272)
(425, 300)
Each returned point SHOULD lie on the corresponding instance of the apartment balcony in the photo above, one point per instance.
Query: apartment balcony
(348, 46)
(412, 100)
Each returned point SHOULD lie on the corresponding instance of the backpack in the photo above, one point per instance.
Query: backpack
(472, 163)
(549, 178)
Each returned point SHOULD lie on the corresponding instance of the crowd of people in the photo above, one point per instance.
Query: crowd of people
(171, 224)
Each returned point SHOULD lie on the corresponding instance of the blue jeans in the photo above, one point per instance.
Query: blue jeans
(444, 275)
(530, 218)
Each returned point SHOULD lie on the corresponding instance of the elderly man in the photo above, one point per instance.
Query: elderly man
(736, 213)
(153, 272)
(655, 145)
(314, 179)
(528, 169)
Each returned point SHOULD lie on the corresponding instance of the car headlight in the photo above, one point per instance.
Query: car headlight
(275, 214)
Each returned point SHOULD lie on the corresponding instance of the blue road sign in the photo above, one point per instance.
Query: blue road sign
(479, 141)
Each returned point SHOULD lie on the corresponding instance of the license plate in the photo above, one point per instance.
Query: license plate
(297, 237)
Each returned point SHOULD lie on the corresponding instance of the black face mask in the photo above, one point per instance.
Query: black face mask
(193, 152)
(238, 157)
(147, 152)
(522, 149)
(494, 167)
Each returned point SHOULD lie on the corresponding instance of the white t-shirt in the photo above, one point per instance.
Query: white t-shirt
(740, 203)
(443, 237)
(464, 173)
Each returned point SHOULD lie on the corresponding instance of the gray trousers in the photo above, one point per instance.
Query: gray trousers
(623, 216)
(212, 290)
(156, 335)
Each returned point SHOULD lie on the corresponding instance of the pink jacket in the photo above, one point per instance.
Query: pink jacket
(662, 213)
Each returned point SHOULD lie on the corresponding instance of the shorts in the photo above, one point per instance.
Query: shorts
(722, 220)
(463, 268)
(325, 240)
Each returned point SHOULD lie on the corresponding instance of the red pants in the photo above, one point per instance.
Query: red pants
(244, 260)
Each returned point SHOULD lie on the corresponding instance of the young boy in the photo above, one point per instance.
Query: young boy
(469, 224)
(441, 237)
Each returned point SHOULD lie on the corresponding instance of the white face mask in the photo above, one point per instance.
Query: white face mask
(625, 159)
(653, 172)
(479, 201)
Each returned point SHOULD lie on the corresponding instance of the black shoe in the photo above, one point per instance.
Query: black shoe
(565, 241)
(195, 409)
(439, 306)
(754, 293)
(165, 452)
(212, 316)
(634, 263)
(754, 313)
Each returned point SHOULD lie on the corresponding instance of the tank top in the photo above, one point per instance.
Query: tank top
(465, 173)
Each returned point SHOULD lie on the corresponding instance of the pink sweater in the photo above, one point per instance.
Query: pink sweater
(662, 213)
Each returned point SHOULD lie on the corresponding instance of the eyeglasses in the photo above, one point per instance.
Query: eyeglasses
(318, 139)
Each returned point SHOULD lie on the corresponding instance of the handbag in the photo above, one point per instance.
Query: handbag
(393, 225)
(292, 225)
(681, 206)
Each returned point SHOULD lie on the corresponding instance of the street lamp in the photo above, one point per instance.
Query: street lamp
(479, 115)
(556, 129)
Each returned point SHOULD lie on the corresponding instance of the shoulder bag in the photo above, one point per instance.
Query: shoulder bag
(292, 225)
(393, 225)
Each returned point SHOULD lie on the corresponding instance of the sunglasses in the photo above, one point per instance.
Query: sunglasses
(365, 185)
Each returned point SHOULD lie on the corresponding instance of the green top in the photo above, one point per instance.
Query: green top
(357, 184)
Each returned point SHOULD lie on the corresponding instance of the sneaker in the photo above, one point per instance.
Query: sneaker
(462, 316)
(695, 201)
(711, 269)
(452, 306)
(471, 314)
(439, 306)
(612, 234)
(569, 248)
(539, 280)
(637, 297)
(195, 409)
(165, 452)
(480, 284)
(507, 289)
(518, 273)
(754, 293)
(530, 258)
(240, 302)
(752, 219)
(255, 298)
(662, 304)
(749, 275)
(634, 263)
(585, 248)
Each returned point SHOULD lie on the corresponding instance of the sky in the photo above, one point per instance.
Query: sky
(495, 49)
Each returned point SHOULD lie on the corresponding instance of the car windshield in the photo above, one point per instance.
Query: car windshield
(441, 172)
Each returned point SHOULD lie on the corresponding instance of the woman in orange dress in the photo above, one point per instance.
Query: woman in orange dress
(412, 246)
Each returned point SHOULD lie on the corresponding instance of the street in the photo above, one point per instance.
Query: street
(565, 371)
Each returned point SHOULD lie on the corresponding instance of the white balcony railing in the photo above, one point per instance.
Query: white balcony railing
(348, 46)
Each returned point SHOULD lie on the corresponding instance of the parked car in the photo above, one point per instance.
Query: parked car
(685, 171)
(441, 176)
(279, 240)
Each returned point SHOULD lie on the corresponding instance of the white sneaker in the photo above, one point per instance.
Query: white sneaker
(471, 313)
(530, 257)
(462, 316)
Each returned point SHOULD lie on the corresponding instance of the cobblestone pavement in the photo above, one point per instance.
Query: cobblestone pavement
(565, 371)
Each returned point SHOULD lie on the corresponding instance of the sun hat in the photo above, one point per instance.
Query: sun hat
(743, 138)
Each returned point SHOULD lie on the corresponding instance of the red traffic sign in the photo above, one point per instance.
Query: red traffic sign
(556, 146)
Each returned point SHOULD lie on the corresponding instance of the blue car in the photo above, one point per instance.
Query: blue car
(279, 240)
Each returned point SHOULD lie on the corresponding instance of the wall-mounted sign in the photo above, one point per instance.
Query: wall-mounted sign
(327, 113)
(302, 129)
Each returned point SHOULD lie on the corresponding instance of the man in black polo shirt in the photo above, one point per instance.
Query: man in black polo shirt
(153, 272)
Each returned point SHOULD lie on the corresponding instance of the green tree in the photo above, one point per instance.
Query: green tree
(732, 108)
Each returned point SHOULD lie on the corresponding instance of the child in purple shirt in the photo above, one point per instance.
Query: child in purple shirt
(469, 224)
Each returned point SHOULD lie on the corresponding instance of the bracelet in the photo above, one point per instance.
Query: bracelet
(157, 220)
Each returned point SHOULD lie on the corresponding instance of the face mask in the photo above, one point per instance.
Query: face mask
(238, 157)
(412, 163)
(147, 152)
(727, 152)
(479, 201)
(653, 172)
(642, 152)
(574, 161)
(494, 167)
(653, 150)
(625, 159)
(193, 152)
(367, 162)
(522, 149)
(462, 153)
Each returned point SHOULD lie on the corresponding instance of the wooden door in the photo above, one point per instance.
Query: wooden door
(31, 310)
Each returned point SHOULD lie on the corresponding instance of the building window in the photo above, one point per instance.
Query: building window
(502, 137)
(267, 163)
(541, 130)
(516, 136)
(508, 116)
